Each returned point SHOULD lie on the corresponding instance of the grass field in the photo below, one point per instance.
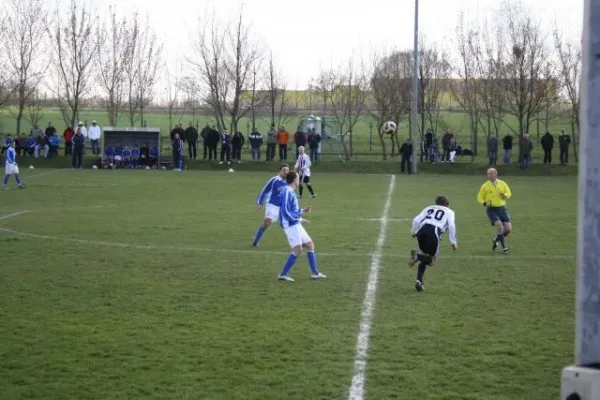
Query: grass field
(143, 284)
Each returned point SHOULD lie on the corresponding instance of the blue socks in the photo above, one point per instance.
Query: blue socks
(18, 180)
(289, 264)
(259, 233)
(312, 262)
(6, 179)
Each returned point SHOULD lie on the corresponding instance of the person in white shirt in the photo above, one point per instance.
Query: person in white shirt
(303, 168)
(94, 134)
(428, 228)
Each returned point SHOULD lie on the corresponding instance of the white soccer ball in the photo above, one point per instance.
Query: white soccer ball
(231, 170)
(389, 128)
(31, 167)
(147, 168)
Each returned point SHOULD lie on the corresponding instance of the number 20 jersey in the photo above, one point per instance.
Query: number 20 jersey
(439, 216)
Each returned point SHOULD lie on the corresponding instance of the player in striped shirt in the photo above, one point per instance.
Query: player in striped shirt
(10, 166)
(290, 218)
(303, 168)
(271, 195)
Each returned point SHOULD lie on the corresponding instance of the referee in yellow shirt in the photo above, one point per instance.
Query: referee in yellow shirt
(493, 195)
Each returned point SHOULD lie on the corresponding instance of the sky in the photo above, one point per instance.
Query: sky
(306, 36)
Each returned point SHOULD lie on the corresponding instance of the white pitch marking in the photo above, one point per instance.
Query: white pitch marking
(42, 174)
(16, 214)
(357, 388)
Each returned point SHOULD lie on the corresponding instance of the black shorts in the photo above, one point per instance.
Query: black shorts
(305, 179)
(429, 240)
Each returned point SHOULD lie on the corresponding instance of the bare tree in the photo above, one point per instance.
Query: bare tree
(150, 62)
(191, 88)
(25, 35)
(173, 82)
(112, 57)
(569, 67)
(35, 109)
(279, 110)
(75, 37)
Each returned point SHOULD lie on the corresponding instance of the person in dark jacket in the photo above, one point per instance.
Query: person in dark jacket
(526, 147)
(204, 135)
(299, 140)
(429, 145)
(237, 142)
(177, 148)
(50, 130)
(271, 143)
(313, 143)
(492, 144)
(78, 147)
(225, 147)
(547, 143)
(213, 138)
(191, 137)
(507, 143)
(178, 129)
(446, 146)
(564, 141)
(406, 152)
(256, 141)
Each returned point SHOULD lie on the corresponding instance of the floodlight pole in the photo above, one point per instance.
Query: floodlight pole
(582, 381)
(415, 97)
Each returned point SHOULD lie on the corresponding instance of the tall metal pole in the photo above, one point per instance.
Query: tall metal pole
(583, 380)
(415, 100)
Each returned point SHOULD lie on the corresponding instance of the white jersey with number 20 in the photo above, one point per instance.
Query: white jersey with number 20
(438, 216)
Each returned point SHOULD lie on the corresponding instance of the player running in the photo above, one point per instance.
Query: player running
(428, 228)
(493, 195)
(10, 166)
(271, 195)
(290, 218)
(303, 168)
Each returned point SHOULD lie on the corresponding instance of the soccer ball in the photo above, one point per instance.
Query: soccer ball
(230, 169)
(389, 128)
(147, 168)
(31, 167)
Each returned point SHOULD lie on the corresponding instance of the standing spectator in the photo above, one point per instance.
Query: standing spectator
(452, 147)
(78, 146)
(50, 130)
(177, 147)
(95, 134)
(83, 130)
(41, 144)
(526, 146)
(191, 137)
(547, 144)
(507, 143)
(225, 147)
(492, 144)
(283, 138)
(237, 143)
(256, 140)
(406, 153)
(446, 146)
(177, 129)
(299, 140)
(214, 137)
(564, 141)
(7, 142)
(145, 155)
(429, 138)
(36, 131)
(204, 135)
(314, 139)
(68, 136)
(54, 143)
(271, 143)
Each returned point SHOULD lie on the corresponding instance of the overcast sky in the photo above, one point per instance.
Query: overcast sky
(306, 35)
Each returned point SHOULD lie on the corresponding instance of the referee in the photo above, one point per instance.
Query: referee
(493, 195)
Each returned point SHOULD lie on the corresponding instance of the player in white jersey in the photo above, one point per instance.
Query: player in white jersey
(10, 166)
(428, 228)
(303, 168)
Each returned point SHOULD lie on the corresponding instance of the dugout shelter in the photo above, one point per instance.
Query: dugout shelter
(127, 136)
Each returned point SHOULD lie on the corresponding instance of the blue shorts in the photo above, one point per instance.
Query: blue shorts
(498, 214)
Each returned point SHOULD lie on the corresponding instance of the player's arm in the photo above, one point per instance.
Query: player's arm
(263, 193)
(506, 191)
(452, 230)
(481, 198)
(290, 209)
(417, 221)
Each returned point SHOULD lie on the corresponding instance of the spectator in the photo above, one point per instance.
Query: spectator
(154, 153)
(54, 143)
(406, 152)
(21, 145)
(31, 144)
(256, 141)
(95, 134)
(507, 142)
(526, 146)
(191, 137)
(50, 130)
(299, 140)
(428, 146)
(564, 141)
(83, 130)
(492, 145)
(41, 144)
(547, 143)
(177, 129)
(144, 156)
(314, 139)
(237, 143)
(36, 131)
(7, 141)
(271, 143)
(225, 147)
(446, 145)
(119, 155)
(135, 156)
(78, 146)
(283, 138)
(126, 157)
(109, 154)
(68, 136)
(204, 135)
(214, 137)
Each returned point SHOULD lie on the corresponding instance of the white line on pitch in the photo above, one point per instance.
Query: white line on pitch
(15, 214)
(42, 174)
(357, 388)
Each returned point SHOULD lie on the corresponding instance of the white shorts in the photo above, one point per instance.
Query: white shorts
(297, 235)
(118, 158)
(11, 169)
(272, 212)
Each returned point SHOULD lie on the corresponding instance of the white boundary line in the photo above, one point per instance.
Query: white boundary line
(41, 174)
(357, 388)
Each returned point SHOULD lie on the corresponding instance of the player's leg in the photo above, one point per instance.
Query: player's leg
(271, 215)
(301, 186)
(310, 254)
(15, 172)
(309, 186)
(294, 237)
(429, 246)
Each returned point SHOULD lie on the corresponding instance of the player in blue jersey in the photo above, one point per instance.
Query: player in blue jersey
(154, 155)
(119, 155)
(127, 157)
(135, 156)
(11, 167)
(109, 154)
(271, 195)
(290, 218)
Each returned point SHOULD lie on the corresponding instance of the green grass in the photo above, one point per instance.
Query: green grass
(142, 284)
